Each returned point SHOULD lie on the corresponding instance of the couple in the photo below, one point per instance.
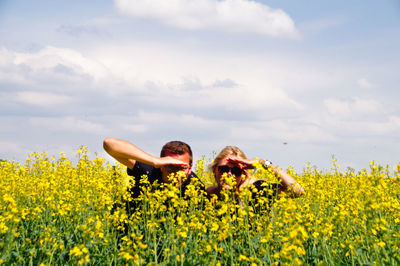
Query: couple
(176, 156)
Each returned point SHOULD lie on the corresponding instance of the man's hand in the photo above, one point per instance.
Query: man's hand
(164, 161)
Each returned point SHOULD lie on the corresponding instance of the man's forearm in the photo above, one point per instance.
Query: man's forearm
(123, 150)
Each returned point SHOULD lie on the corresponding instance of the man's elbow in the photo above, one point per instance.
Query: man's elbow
(108, 144)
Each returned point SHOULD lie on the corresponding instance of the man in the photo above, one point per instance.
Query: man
(175, 156)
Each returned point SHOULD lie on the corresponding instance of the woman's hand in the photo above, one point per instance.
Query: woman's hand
(242, 163)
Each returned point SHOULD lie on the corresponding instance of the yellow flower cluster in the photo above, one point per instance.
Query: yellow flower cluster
(56, 211)
(80, 253)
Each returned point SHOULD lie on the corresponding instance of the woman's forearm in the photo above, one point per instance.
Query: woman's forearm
(288, 182)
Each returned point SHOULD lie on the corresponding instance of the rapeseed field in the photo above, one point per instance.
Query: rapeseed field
(54, 211)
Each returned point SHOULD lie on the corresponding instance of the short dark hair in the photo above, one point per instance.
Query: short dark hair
(177, 147)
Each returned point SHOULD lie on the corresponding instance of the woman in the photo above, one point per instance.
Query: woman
(232, 162)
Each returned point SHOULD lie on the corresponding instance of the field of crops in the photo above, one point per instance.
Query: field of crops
(54, 211)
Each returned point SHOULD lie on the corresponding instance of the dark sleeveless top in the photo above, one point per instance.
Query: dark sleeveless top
(263, 194)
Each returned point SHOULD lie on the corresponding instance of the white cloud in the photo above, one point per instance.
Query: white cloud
(366, 106)
(191, 79)
(228, 15)
(174, 119)
(41, 98)
(359, 119)
(364, 83)
(353, 107)
(337, 107)
(249, 97)
(388, 125)
(52, 57)
(50, 64)
(246, 97)
(206, 97)
(229, 130)
(361, 130)
(54, 76)
(9, 71)
(281, 130)
(6, 57)
(68, 124)
(9, 147)
(136, 128)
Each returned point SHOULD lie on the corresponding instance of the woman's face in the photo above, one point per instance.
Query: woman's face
(229, 168)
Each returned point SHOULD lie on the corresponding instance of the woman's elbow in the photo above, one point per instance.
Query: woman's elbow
(299, 191)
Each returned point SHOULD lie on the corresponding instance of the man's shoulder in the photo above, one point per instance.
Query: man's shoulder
(194, 180)
(139, 169)
(192, 174)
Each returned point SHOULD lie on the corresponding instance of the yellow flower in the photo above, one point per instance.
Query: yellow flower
(315, 234)
(126, 256)
(242, 258)
(76, 252)
(382, 244)
(214, 227)
(142, 246)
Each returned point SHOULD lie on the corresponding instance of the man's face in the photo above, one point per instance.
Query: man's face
(174, 169)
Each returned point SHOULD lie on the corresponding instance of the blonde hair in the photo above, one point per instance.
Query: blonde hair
(226, 152)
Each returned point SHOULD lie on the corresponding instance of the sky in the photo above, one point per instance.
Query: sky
(294, 82)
